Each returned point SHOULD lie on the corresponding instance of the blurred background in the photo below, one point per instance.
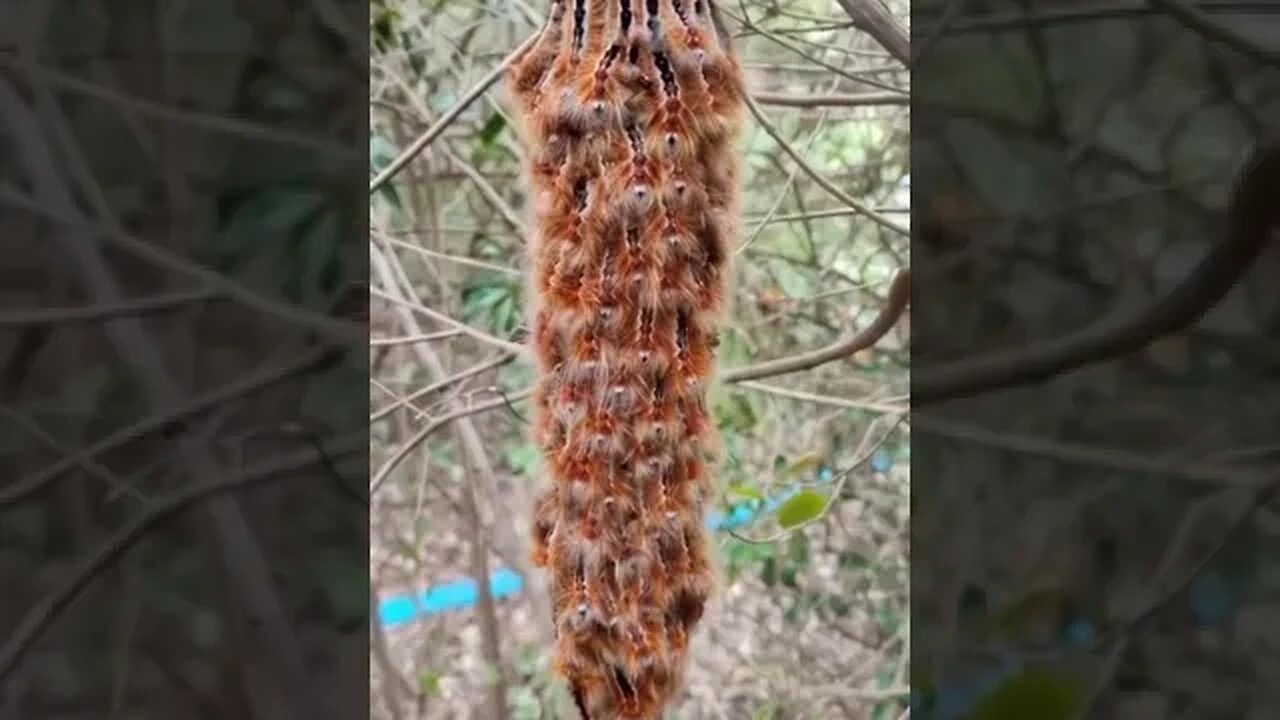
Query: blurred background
(1087, 547)
(811, 526)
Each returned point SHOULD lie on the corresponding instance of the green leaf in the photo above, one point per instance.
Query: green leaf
(1033, 693)
(492, 128)
(788, 577)
(429, 683)
(744, 491)
(381, 152)
(801, 508)
(733, 350)
(522, 458)
(266, 220)
(525, 704)
(767, 711)
(528, 660)
(805, 463)
(741, 554)
(482, 297)
(493, 302)
(735, 413)
(769, 573)
(383, 23)
(888, 618)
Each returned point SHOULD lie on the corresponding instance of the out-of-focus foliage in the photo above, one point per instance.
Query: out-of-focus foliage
(152, 151)
(1074, 160)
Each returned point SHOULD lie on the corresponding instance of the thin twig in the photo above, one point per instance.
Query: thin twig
(231, 391)
(818, 214)
(1194, 19)
(443, 421)
(480, 335)
(1124, 634)
(476, 463)
(817, 101)
(746, 22)
(899, 294)
(873, 18)
(459, 259)
(241, 129)
(922, 49)
(496, 361)
(410, 339)
(34, 623)
(493, 196)
(1253, 222)
(339, 330)
(1087, 455)
(427, 137)
(88, 465)
(899, 297)
(826, 184)
(868, 405)
(166, 302)
(864, 454)
(791, 177)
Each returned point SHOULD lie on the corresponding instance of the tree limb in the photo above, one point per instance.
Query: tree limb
(874, 19)
(1253, 220)
(899, 297)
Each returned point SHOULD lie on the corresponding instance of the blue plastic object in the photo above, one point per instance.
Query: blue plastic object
(399, 610)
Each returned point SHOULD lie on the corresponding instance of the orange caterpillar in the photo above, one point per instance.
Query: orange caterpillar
(630, 111)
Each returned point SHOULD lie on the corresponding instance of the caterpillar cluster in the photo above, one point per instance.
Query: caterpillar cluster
(630, 110)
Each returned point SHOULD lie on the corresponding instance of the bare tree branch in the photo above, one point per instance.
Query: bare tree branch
(816, 101)
(496, 361)
(38, 619)
(1253, 221)
(817, 177)
(166, 302)
(873, 18)
(340, 330)
(427, 137)
(234, 390)
(899, 297)
(480, 335)
(227, 530)
(1197, 21)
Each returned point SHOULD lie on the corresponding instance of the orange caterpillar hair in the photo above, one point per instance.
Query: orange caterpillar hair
(630, 111)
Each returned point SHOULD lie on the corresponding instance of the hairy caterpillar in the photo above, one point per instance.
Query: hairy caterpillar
(630, 109)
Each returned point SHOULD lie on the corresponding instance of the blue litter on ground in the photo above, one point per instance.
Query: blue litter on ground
(402, 609)
(399, 610)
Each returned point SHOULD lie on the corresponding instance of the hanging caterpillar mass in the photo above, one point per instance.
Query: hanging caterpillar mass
(630, 110)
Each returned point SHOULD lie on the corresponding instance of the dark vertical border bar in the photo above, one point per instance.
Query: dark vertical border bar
(183, 360)
(1096, 347)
